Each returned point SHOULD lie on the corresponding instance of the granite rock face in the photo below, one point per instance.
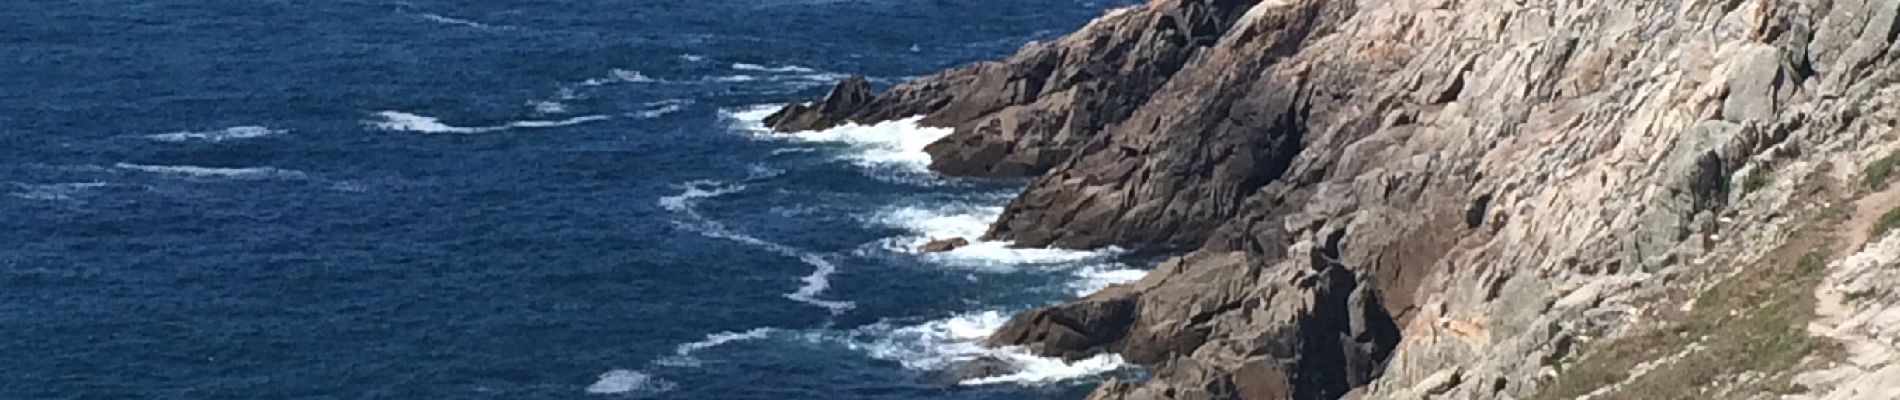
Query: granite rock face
(1021, 116)
(1402, 199)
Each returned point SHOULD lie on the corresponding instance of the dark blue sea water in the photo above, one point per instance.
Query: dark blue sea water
(486, 199)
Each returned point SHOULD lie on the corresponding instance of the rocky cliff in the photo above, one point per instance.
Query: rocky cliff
(1477, 199)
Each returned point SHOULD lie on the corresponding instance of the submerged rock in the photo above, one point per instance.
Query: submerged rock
(979, 368)
(943, 245)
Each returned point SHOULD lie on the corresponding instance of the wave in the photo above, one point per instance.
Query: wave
(692, 57)
(969, 221)
(193, 171)
(618, 75)
(814, 284)
(622, 381)
(447, 20)
(683, 355)
(662, 108)
(944, 344)
(54, 192)
(548, 107)
(406, 122)
(232, 133)
(779, 69)
(894, 144)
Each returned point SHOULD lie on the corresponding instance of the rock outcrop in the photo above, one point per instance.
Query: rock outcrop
(1023, 115)
(1405, 199)
(943, 245)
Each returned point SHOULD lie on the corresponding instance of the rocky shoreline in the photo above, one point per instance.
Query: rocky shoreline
(1405, 198)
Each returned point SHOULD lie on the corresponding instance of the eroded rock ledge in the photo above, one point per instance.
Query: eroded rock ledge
(1406, 198)
(1021, 116)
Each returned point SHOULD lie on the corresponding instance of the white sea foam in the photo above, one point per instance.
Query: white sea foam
(622, 381)
(733, 78)
(627, 75)
(442, 19)
(193, 171)
(692, 57)
(1095, 277)
(399, 121)
(927, 223)
(232, 133)
(661, 108)
(898, 144)
(946, 343)
(545, 107)
(778, 69)
(618, 75)
(814, 284)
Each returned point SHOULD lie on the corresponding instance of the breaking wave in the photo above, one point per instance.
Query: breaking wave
(193, 171)
(945, 344)
(397, 121)
(232, 133)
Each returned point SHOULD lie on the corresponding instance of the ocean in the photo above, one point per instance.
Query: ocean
(483, 199)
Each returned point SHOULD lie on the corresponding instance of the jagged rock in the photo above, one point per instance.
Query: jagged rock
(1021, 116)
(943, 245)
(835, 109)
(1372, 193)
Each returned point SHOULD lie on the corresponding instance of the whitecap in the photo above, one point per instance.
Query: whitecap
(733, 78)
(406, 122)
(546, 107)
(442, 19)
(778, 69)
(618, 75)
(232, 133)
(193, 171)
(661, 108)
(822, 268)
(683, 354)
(627, 75)
(621, 381)
(692, 57)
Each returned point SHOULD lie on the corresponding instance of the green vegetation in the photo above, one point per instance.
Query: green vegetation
(1755, 180)
(1877, 173)
(1888, 222)
(1754, 321)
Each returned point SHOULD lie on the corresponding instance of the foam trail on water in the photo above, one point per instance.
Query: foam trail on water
(662, 108)
(232, 133)
(683, 355)
(814, 284)
(622, 381)
(398, 121)
(781, 69)
(193, 171)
